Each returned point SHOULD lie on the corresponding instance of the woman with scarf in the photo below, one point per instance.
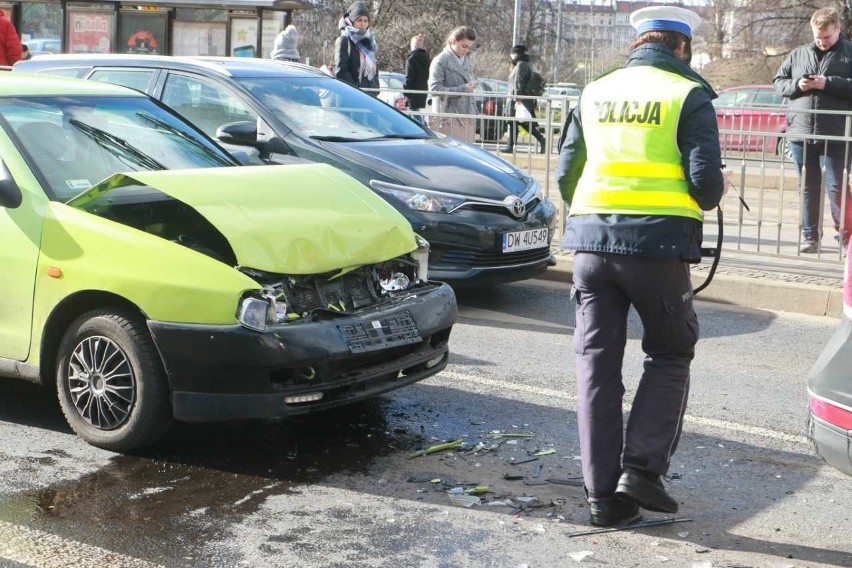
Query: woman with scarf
(355, 53)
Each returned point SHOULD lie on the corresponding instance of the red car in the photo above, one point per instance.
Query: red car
(758, 109)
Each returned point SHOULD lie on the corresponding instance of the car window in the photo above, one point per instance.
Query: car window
(324, 108)
(134, 79)
(766, 98)
(76, 72)
(73, 142)
(732, 98)
(205, 104)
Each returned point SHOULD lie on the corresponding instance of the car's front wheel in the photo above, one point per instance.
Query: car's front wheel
(111, 384)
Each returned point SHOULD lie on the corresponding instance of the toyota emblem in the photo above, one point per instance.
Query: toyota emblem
(518, 208)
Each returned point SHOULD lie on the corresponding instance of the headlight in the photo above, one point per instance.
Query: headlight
(259, 313)
(254, 313)
(420, 199)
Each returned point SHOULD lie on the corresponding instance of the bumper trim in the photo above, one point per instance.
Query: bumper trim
(367, 383)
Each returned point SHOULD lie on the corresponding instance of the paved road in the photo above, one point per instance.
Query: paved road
(338, 489)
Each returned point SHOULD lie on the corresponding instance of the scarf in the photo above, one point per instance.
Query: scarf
(367, 49)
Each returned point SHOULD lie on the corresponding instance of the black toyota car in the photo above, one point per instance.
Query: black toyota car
(486, 220)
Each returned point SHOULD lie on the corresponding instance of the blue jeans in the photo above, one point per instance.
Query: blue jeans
(816, 159)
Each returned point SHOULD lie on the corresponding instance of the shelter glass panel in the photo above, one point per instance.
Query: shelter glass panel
(41, 26)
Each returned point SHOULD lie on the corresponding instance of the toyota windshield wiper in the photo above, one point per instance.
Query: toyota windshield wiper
(183, 136)
(338, 139)
(399, 137)
(118, 147)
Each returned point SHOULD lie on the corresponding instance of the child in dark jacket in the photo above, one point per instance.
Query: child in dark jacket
(355, 50)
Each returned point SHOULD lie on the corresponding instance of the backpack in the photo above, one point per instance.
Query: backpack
(535, 85)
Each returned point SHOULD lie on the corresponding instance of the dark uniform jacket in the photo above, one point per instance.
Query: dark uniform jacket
(347, 65)
(836, 65)
(417, 77)
(669, 237)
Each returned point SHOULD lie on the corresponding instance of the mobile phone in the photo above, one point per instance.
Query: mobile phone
(809, 76)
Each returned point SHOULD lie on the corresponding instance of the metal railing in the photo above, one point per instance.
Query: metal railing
(754, 144)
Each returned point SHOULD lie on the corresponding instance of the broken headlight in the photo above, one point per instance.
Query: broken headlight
(259, 313)
(421, 256)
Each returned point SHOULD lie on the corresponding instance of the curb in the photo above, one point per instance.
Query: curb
(746, 292)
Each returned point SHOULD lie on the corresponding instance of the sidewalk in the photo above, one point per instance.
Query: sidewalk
(754, 282)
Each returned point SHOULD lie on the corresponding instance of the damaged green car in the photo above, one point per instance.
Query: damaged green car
(148, 278)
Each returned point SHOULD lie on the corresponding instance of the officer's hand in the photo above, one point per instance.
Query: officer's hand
(726, 180)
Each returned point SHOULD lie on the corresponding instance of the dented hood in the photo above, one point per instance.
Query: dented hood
(297, 219)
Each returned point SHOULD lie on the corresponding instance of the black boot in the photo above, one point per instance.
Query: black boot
(646, 489)
(542, 146)
(607, 511)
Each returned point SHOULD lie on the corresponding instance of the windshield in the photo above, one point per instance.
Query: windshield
(74, 142)
(326, 109)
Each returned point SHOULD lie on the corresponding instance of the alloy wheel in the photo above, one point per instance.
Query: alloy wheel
(101, 382)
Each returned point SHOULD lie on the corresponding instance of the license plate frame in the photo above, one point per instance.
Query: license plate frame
(375, 334)
(528, 239)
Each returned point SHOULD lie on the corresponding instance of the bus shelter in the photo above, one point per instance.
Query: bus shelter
(241, 28)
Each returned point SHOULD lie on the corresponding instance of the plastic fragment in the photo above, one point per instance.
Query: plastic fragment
(683, 534)
(462, 500)
(537, 470)
(513, 476)
(548, 452)
(519, 462)
(436, 448)
(497, 435)
(573, 481)
(580, 556)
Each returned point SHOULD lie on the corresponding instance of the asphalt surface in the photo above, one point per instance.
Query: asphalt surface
(339, 489)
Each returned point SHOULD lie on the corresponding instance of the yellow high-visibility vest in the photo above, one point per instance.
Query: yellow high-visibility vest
(633, 165)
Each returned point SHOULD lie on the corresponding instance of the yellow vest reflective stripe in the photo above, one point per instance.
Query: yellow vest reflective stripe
(633, 166)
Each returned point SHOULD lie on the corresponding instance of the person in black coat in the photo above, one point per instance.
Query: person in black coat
(417, 76)
(355, 50)
(519, 80)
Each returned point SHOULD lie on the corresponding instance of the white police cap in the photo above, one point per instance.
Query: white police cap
(665, 18)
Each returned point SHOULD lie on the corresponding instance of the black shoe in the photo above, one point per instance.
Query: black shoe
(608, 511)
(809, 246)
(507, 149)
(646, 489)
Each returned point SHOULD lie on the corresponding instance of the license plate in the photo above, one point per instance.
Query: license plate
(525, 240)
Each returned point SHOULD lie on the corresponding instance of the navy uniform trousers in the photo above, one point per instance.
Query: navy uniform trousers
(605, 286)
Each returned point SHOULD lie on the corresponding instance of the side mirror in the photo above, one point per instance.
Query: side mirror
(10, 193)
(243, 133)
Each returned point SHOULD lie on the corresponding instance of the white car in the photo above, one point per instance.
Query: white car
(390, 89)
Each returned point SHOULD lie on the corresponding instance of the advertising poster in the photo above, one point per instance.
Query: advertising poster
(244, 35)
(90, 32)
(142, 33)
(198, 38)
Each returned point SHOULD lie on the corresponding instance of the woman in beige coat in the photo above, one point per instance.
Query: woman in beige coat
(452, 71)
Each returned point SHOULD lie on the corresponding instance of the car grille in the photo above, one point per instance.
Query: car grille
(350, 291)
(479, 259)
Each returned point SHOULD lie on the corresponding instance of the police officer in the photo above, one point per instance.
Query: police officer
(640, 162)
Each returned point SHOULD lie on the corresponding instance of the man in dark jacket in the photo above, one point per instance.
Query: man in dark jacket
(519, 80)
(818, 77)
(416, 77)
(640, 162)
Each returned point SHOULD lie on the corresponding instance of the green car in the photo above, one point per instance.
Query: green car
(148, 278)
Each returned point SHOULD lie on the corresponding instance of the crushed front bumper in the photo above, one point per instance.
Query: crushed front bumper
(227, 372)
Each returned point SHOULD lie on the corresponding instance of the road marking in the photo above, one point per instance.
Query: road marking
(33, 547)
(556, 394)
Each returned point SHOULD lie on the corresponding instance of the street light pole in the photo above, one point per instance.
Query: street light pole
(516, 32)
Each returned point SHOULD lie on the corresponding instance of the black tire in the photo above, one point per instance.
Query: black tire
(130, 407)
